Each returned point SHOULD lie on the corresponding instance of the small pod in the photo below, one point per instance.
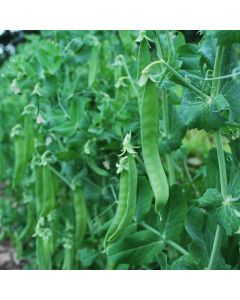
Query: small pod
(20, 157)
(48, 191)
(80, 216)
(127, 203)
(149, 138)
(28, 137)
(43, 253)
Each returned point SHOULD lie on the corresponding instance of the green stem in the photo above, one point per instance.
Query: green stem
(61, 177)
(221, 161)
(129, 75)
(179, 77)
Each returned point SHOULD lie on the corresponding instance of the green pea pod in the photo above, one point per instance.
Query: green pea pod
(149, 139)
(144, 59)
(48, 191)
(20, 158)
(43, 253)
(31, 222)
(126, 40)
(94, 64)
(126, 212)
(80, 216)
(69, 256)
(28, 136)
(38, 172)
(95, 168)
(122, 205)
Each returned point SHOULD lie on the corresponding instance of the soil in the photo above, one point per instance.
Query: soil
(7, 257)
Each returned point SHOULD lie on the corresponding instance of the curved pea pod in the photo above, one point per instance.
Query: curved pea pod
(95, 168)
(48, 191)
(20, 157)
(28, 230)
(94, 64)
(150, 152)
(128, 205)
(80, 216)
(122, 205)
(31, 222)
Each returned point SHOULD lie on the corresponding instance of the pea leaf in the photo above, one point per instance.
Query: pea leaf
(228, 215)
(138, 249)
(177, 131)
(144, 199)
(211, 199)
(201, 114)
(175, 213)
(224, 37)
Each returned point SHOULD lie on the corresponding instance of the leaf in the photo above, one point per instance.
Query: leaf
(211, 199)
(177, 132)
(228, 216)
(144, 198)
(87, 256)
(201, 114)
(224, 37)
(185, 262)
(208, 49)
(138, 249)
(176, 213)
(126, 39)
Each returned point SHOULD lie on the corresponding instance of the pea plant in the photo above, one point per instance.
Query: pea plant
(120, 150)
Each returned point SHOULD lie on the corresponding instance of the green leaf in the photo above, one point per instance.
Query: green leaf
(228, 215)
(177, 132)
(176, 212)
(224, 37)
(144, 198)
(87, 256)
(201, 114)
(208, 49)
(126, 39)
(211, 199)
(138, 249)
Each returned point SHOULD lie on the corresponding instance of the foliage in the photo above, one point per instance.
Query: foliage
(74, 104)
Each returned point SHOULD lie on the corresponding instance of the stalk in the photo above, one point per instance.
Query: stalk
(221, 161)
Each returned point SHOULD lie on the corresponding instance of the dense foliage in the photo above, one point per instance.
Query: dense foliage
(120, 150)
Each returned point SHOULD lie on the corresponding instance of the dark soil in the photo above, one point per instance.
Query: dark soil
(7, 257)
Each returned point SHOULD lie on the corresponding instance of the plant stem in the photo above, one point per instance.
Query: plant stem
(179, 77)
(221, 160)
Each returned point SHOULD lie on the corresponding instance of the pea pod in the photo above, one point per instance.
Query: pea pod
(127, 203)
(122, 205)
(149, 139)
(28, 136)
(20, 158)
(68, 262)
(28, 230)
(48, 191)
(80, 216)
(94, 64)
(43, 253)
(95, 168)
(38, 172)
